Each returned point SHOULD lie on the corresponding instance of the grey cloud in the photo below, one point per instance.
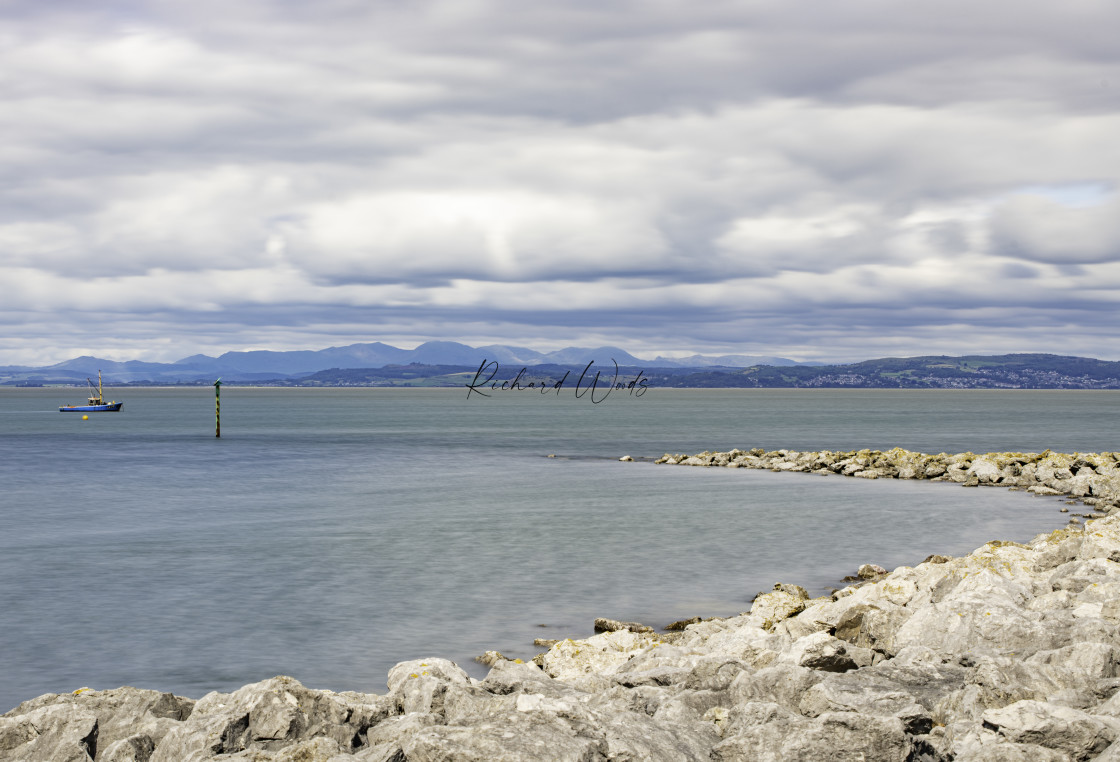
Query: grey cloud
(1019, 270)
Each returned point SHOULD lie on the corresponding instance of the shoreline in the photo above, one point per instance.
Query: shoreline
(1009, 652)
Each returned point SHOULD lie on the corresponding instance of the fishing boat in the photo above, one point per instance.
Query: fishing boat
(97, 403)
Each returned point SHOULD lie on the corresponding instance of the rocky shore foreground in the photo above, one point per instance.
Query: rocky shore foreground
(1009, 653)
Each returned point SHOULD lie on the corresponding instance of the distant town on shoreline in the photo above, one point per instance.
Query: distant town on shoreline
(450, 364)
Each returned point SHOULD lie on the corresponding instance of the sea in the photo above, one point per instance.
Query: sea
(330, 533)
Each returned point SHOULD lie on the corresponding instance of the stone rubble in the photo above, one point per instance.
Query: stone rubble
(1009, 653)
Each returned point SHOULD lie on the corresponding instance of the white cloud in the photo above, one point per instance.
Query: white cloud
(511, 235)
(1038, 228)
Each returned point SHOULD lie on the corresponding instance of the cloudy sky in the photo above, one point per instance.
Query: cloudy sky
(814, 180)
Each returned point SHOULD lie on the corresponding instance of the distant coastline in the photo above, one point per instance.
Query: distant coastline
(1014, 371)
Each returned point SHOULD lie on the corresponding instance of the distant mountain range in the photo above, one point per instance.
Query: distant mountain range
(262, 365)
(447, 363)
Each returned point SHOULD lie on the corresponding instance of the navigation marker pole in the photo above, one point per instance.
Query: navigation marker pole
(218, 407)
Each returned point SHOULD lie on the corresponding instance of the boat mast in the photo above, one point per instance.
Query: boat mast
(99, 398)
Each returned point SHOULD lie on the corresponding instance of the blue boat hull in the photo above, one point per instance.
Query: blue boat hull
(112, 407)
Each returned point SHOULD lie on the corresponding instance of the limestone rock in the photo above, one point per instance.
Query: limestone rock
(57, 732)
(1080, 735)
(834, 735)
(866, 624)
(783, 684)
(869, 694)
(613, 625)
(598, 654)
(823, 652)
(782, 602)
(135, 748)
(509, 677)
(490, 658)
(681, 624)
(519, 735)
(317, 749)
(986, 471)
(419, 685)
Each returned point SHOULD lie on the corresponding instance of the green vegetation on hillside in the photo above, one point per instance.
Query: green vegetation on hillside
(1016, 371)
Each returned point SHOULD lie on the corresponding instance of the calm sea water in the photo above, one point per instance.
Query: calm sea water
(332, 533)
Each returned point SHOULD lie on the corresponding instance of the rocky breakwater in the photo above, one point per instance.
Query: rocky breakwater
(1092, 478)
(1009, 653)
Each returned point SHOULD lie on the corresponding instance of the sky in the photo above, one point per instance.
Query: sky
(814, 180)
